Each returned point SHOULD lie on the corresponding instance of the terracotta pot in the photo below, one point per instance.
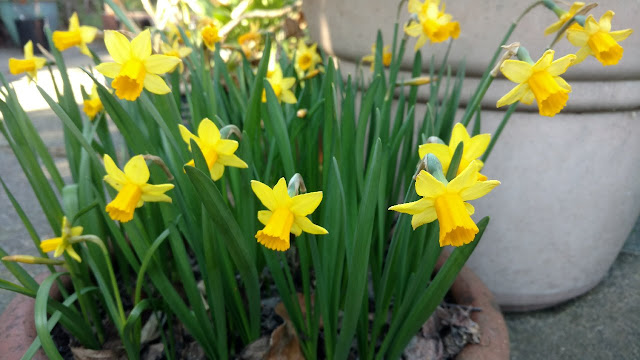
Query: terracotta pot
(17, 327)
(566, 205)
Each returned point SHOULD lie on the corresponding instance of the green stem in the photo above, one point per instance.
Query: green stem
(96, 240)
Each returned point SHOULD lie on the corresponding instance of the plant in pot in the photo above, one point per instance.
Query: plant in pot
(276, 183)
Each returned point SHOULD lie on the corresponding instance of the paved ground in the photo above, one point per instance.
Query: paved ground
(603, 324)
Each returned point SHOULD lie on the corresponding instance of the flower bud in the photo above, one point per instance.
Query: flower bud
(302, 113)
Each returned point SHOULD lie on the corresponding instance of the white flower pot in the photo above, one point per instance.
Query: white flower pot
(570, 192)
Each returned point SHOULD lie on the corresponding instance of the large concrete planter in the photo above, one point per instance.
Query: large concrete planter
(569, 195)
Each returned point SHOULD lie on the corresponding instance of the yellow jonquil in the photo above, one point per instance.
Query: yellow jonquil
(216, 151)
(433, 23)
(540, 81)
(250, 40)
(447, 203)
(286, 214)
(281, 86)
(386, 56)
(562, 19)
(134, 67)
(62, 244)
(30, 64)
(93, 105)
(210, 36)
(132, 187)
(177, 51)
(306, 57)
(77, 35)
(473, 148)
(597, 39)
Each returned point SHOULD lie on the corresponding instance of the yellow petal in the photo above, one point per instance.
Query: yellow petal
(414, 30)
(476, 146)
(155, 84)
(582, 54)
(470, 209)
(74, 255)
(232, 160)
(208, 131)
(441, 151)
(414, 207)
(514, 95)
(186, 135)
(109, 69)
(265, 194)
(516, 70)
(415, 6)
(88, 33)
(50, 244)
(160, 64)
(478, 190)
(73, 22)
(28, 50)
(467, 178)
(554, 27)
(288, 97)
(544, 61)
(420, 42)
(561, 65)
(605, 21)
(217, 170)
(528, 97)
(226, 147)
(305, 204)
(118, 46)
(427, 186)
(281, 193)
(424, 217)
(458, 134)
(264, 216)
(577, 36)
(136, 170)
(309, 227)
(141, 45)
(76, 230)
(156, 193)
(115, 177)
(620, 34)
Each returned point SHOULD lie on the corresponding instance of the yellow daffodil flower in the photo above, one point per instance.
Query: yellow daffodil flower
(306, 57)
(217, 152)
(176, 50)
(30, 64)
(132, 187)
(386, 56)
(286, 214)
(77, 35)
(62, 244)
(250, 40)
(210, 36)
(134, 67)
(473, 148)
(93, 105)
(448, 204)
(562, 19)
(540, 81)
(433, 23)
(597, 39)
(281, 86)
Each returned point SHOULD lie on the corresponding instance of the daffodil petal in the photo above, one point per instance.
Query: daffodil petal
(118, 46)
(414, 207)
(88, 33)
(141, 45)
(458, 134)
(470, 209)
(160, 64)
(296, 230)
(217, 170)
(76, 230)
(73, 22)
(420, 42)
(151, 191)
(441, 151)
(605, 21)
(264, 216)
(265, 194)
(514, 95)
(465, 179)
(155, 84)
(232, 160)
(562, 82)
(208, 131)
(415, 6)
(186, 135)
(136, 170)
(528, 98)
(109, 69)
(582, 54)
(280, 191)
(516, 70)
(428, 186)
(544, 62)
(413, 30)
(305, 204)
(50, 244)
(226, 147)
(621, 34)
(476, 146)
(559, 66)
(115, 177)
(288, 97)
(309, 227)
(425, 217)
(74, 255)
(478, 190)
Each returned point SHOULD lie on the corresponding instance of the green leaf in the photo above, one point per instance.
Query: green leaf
(40, 316)
(276, 124)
